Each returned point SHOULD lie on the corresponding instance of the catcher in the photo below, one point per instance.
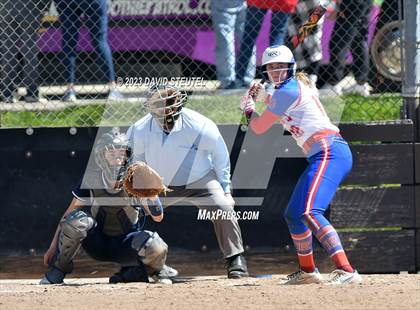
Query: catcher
(104, 220)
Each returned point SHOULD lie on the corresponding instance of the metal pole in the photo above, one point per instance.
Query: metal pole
(411, 61)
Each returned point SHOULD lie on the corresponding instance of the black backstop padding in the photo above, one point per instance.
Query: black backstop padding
(38, 172)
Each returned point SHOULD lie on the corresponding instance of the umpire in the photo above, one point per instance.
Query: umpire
(188, 151)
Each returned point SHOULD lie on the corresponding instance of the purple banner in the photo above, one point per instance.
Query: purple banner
(196, 42)
(158, 9)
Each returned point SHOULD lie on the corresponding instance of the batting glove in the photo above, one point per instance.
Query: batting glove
(247, 105)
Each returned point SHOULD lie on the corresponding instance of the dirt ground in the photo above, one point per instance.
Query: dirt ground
(376, 292)
(87, 287)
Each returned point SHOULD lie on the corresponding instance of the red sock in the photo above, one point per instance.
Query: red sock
(341, 262)
(303, 245)
(330, 240)
(307, 263)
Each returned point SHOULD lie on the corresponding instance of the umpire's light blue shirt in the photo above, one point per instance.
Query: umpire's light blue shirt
(190, 151)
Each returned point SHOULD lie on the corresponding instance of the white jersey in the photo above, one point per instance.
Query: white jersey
(300, 111)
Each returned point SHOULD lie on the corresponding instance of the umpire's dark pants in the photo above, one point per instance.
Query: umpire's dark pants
(207, 194)
(350, 33)
(19, 24)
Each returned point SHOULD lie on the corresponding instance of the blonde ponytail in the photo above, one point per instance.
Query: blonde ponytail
(304, 78)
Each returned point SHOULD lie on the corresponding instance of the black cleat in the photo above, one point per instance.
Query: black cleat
(236, 267)
(53, 276)
(130, 274)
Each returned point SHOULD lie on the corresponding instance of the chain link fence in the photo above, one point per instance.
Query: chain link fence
(90, 62)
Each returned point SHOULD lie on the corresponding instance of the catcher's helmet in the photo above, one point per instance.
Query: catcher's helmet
(279, 54)
(165, 103)
(113, 140)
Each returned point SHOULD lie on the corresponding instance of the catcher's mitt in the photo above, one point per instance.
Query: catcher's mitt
(140, 180)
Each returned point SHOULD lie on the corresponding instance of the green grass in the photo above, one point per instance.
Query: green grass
(378, 108)
(221, 109)
(80, 116)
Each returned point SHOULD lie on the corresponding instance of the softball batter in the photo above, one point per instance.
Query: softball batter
(293, 100)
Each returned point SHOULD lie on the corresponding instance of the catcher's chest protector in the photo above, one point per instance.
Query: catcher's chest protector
(113, 220)
(112, 211)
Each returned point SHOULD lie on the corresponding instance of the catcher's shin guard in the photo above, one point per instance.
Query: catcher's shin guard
(74, 228)
(152, 250)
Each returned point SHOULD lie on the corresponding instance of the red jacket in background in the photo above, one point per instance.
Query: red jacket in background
(286, 6)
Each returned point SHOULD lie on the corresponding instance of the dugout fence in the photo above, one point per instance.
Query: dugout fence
(169, 39)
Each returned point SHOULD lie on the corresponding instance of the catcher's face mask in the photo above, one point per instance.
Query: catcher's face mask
(112, 153)
(116, 157)
(165, 104)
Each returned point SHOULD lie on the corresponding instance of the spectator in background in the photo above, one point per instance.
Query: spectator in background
(228, 21)
(256, 11)
(19, 24)
(350, 33)
(307, 54)
(95, 12)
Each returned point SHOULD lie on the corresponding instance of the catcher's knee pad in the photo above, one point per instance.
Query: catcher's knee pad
(74, 228)
(152, 251)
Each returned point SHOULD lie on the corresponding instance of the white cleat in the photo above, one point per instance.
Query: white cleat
(163, 281)
(357, 89)
(339, 277)
(168, 271)
(302, 277)
(165, 275)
